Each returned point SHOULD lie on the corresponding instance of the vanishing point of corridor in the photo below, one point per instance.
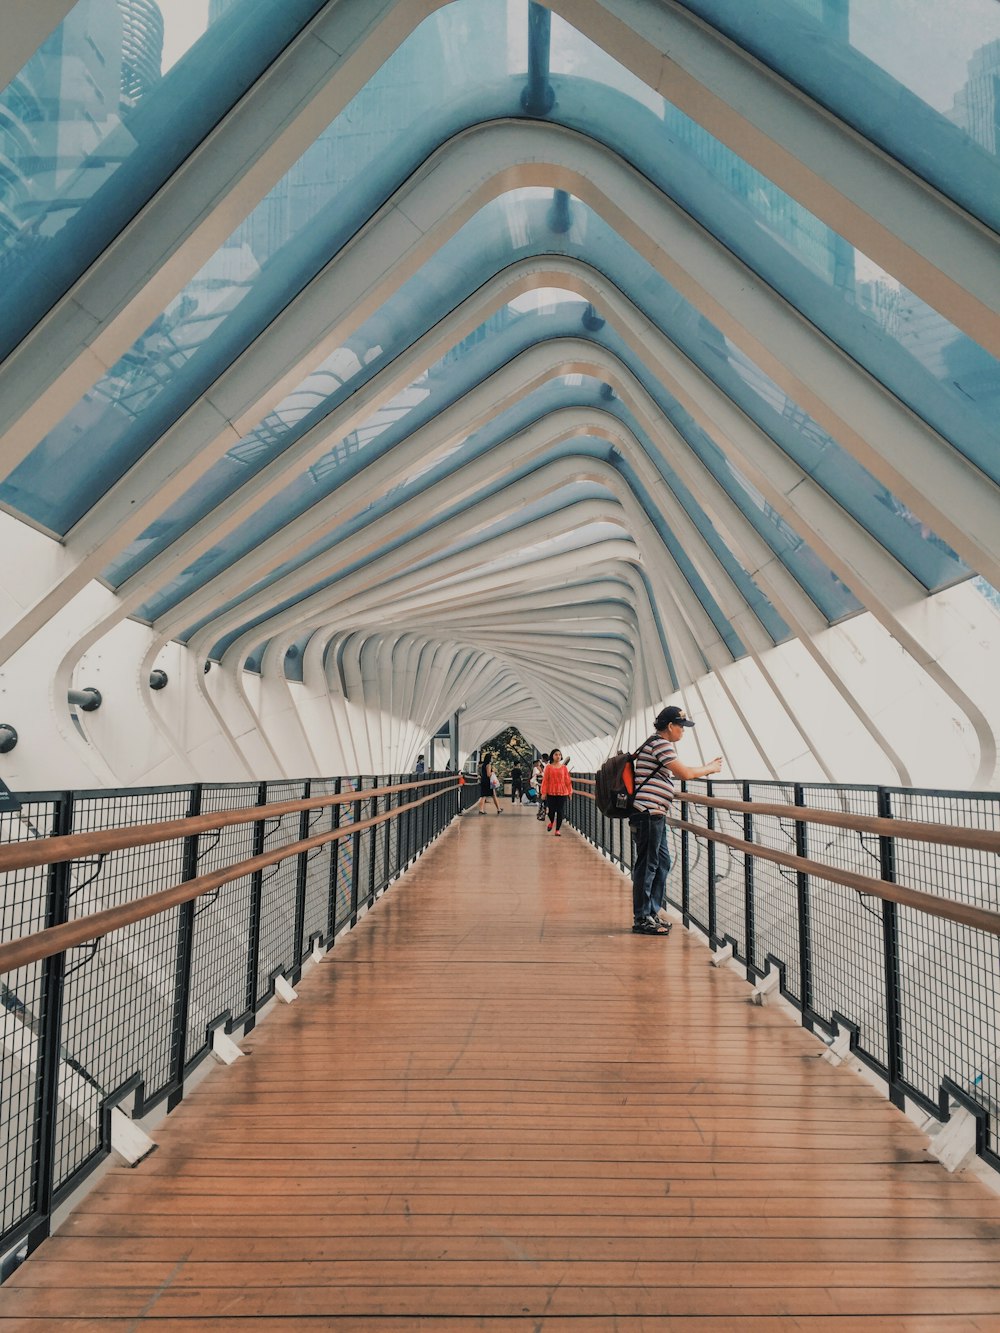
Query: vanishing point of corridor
(493, 1107)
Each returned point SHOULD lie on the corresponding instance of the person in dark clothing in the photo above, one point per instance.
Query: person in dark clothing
(516, 784)
(487, 792)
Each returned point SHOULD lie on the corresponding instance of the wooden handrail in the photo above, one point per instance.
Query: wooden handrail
(965, 914)
(56, 939)
(76, 846)
(973, 840)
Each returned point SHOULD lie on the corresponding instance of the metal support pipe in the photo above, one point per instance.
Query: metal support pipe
(88, 700)
(453, 739)
(538, 96)
(560, 216)
(591, 320)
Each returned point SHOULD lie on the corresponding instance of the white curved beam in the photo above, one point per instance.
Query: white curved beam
(959, 502)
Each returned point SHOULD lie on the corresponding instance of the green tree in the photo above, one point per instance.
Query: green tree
(508, 747)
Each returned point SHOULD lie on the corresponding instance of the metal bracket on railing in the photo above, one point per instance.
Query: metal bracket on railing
(75, 888)
(204, 850)
(85, 958)
(276, 820)
(864, 901)
(206, 901)
(874, 856)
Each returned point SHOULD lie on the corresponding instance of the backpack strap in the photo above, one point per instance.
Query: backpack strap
(643, 783)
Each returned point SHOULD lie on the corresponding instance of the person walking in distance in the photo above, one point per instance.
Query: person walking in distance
(487, 791)
(557, 788)
(516, 784)
(538, 772)
(656, 766)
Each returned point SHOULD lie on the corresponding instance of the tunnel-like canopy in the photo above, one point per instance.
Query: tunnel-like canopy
(372, 365)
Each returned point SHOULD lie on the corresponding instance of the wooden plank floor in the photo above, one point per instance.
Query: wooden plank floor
(493, 1107)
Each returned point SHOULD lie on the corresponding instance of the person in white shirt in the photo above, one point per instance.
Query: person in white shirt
(537, 773)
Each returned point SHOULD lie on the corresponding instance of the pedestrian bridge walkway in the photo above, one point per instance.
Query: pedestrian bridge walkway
(492, 1106)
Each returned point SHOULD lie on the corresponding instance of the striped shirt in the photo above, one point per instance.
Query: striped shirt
(656, 795)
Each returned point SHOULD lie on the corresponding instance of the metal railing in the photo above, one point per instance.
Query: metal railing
(876, 906)
(135, 923)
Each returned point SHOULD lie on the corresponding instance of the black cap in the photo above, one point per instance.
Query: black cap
(664, 718)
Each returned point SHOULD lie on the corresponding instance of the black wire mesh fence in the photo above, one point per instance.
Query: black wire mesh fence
(919, 995)
(125, 1019)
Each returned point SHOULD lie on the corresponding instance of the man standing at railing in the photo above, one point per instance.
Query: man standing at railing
(656, 766)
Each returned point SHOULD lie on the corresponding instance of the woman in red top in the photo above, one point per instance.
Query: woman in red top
(557, 788)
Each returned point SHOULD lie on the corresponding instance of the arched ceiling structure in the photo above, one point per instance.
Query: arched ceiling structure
(393, 360)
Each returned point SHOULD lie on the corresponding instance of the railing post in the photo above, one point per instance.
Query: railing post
(890, 945)
(685, 864)
(301, 876)
(334, 879)
(185, 952)
(50, 1043)
(355, 856)
(748, 900)
(256, 898)
(710, 872)
(372, 841)
(386, 867)
(805, 930)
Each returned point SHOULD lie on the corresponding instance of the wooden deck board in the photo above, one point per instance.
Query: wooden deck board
(493, 1107)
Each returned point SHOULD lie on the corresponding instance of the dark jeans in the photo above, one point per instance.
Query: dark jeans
(557, 808)
(650, 863)
(516, 790)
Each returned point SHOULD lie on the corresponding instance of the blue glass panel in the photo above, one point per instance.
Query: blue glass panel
(400, 116)
(885, 517)
(919, 79)
(449, 276)
(944, 376)
(940, 374)
(90, 129)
